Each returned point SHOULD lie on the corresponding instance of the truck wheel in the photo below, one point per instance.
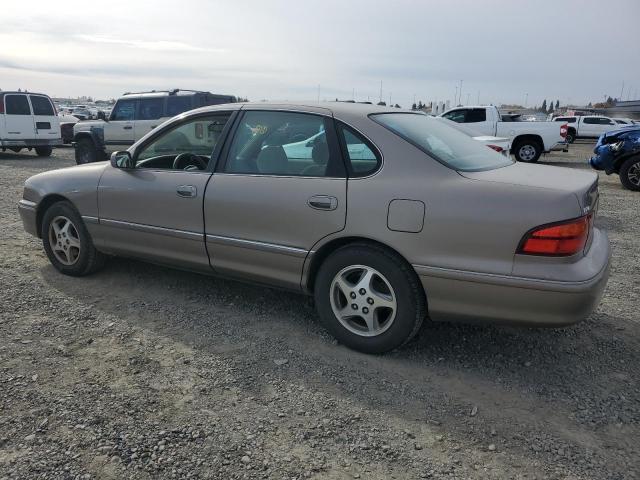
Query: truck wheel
(630, 174)
(44, 151)
(369, 298)
(571, 135)
(528, 151)
(86, 151)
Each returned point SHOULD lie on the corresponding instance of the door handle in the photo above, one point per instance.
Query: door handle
(323, 202)
(186, 191)
(127, 127)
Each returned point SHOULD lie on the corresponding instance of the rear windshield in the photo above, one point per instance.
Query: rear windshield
(447, 145)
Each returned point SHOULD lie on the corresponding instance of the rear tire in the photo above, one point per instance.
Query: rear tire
(44, 151)
(630, 174)
(86, 151)
(369, 298)
(527, 151)
(571, 135)
(67, 242)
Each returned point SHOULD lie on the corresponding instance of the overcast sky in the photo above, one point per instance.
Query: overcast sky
(574, 51)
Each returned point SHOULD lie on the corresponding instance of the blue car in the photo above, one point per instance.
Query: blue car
(618, 152)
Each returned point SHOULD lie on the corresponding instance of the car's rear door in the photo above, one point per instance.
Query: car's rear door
(47, 123)
(154, 211)
(280, 188)
(149, 112)
(19, 123)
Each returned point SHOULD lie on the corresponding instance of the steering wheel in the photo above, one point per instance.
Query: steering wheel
(186, 160)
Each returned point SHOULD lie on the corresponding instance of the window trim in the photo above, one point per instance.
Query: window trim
(345, 152)
(334, 147)
(215, 153)
(135, 109)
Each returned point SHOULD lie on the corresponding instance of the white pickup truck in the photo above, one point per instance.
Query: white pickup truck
(528, 139)
(588, 126)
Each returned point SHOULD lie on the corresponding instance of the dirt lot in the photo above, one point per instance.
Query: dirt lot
(146, 372)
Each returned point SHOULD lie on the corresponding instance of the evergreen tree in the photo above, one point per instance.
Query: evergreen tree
(543, 108)
(557, 104)
(382, 103)
(414, 107)
(420, 105)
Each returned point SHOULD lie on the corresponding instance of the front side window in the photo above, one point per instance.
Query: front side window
(150, 108)
(16, 105)
(124, 110)
(361, 159)
(41, 105)
(447, 145)
(284, 143)
(187, 146)
(177, 104)
(457, 116)
(606, 121)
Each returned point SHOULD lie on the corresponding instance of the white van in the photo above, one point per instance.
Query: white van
(28, 120)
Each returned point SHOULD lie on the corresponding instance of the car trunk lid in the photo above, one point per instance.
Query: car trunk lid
(584, 185)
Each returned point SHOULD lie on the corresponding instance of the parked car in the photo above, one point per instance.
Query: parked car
(28, 120)
(391, 217)
(619, 152)
(626, 121)
(501, 145)
(587, 126)
(528, 139)
(132, 117)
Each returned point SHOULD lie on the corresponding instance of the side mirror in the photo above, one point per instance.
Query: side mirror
(122, 160)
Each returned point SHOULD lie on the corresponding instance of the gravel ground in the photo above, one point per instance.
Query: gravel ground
(145, 372)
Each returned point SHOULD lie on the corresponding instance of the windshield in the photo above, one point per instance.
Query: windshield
(447, 145)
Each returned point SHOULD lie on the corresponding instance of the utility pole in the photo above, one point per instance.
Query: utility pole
(622, 91)
(455, 97)
(478, 97)
(380, 91)
(526, 99)
(460, 93)
(389, 98)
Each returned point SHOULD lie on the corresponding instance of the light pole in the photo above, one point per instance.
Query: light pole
(526, 99)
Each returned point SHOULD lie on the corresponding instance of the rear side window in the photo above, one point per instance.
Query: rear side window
(358, 152)
(16, 105)
(476, 115)
(41, 105)
(591, 120)
(124, 110)
(606, 121)
(284, 143)
(150, 108)
(177, 104)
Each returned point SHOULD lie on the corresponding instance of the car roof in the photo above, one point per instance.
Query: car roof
(4, 92)
(337, 109)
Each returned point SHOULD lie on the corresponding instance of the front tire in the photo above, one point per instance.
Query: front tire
(630, 174)
(67, 242)
(369, 298)
(44, 151)
(86, 151)
(527, 151)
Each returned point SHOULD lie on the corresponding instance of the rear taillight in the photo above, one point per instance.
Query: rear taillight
(558, 239)
(496, 148)
(563, 130)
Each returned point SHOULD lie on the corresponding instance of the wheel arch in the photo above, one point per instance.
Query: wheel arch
(517, 140)
(44, 205)
(321, 254)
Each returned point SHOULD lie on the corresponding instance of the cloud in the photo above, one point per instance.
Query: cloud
(153, 45)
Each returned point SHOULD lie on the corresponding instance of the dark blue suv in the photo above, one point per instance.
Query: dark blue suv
(619, 152)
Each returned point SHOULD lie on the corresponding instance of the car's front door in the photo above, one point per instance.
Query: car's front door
(281, 188)
(154, 210)
(18, 118)
(118, 131)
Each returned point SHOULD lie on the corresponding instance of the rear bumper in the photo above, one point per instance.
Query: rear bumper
(560, 146)
(32, 142)
(27, 210)
(455, 295)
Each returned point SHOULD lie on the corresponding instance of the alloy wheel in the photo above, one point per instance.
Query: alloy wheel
(633, 174)
(363, 300)
(64, 240)
(527, 153)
